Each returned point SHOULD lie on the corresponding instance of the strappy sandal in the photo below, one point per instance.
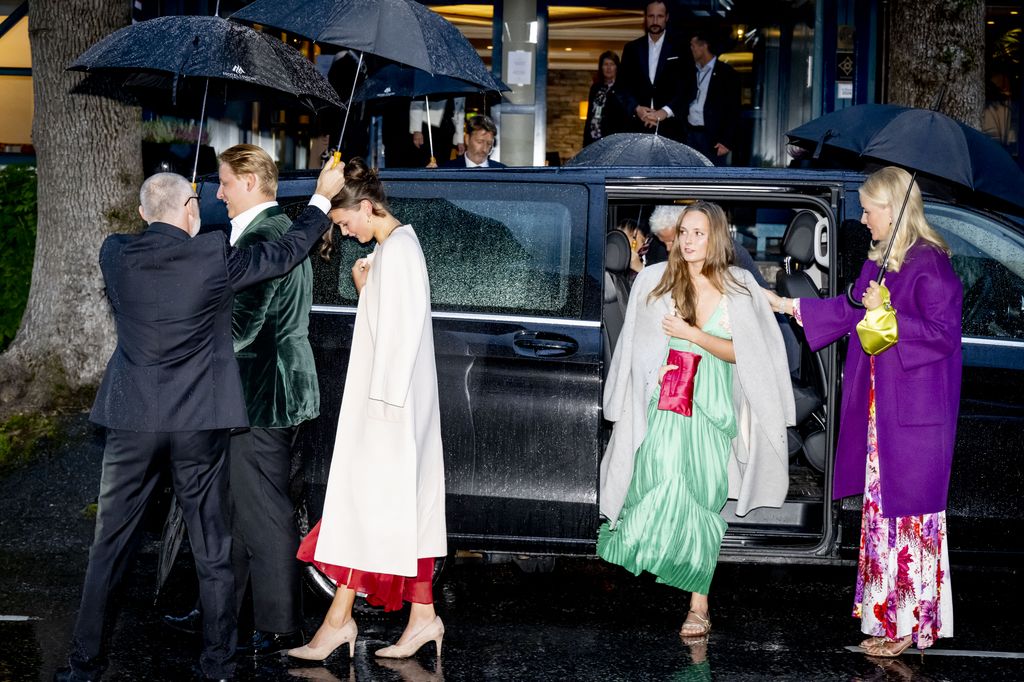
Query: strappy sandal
(888, 648)
(696, 628)
(871, 642)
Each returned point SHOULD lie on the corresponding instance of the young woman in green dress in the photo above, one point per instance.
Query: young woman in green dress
(669, 524)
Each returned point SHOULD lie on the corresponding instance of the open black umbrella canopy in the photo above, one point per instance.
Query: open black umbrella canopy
(918, 140)
(638, 149)
(403, 31)
(396, 80)
(162, 52)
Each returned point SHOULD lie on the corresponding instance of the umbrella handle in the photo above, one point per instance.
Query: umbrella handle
(337, 158)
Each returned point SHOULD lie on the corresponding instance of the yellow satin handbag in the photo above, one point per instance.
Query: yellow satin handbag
(879, 331)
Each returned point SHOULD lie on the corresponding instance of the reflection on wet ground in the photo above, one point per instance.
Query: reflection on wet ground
(583, 620)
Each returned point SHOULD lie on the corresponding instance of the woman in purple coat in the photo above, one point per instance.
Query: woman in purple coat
(897, 425)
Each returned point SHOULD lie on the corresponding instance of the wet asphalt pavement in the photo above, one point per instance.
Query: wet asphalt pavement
(583, 620)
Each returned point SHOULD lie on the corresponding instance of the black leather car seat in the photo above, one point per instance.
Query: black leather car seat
(616, 288)
(809, 390)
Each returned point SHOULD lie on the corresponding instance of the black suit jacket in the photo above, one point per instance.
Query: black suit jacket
(721, 106)
(460, 162)
(174, 365)
(671, 86)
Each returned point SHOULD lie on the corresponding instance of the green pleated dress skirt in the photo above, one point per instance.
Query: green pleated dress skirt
(670, 524)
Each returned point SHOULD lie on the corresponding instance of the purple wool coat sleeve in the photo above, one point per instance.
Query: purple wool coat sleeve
(917, 383)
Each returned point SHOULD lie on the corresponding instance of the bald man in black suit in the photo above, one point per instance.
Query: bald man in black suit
(171, 393)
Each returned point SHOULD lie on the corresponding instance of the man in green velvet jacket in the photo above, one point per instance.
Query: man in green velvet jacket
(269, 324)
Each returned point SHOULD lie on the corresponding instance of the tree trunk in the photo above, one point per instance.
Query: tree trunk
(88, 152)
(936, 44)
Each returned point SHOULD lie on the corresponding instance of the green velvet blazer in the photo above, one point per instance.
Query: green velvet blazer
(270, 325)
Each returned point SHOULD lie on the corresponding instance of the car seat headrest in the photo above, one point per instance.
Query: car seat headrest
(616, 252)
(798, 239)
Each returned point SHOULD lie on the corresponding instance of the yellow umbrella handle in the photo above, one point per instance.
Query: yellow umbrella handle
(337, 159)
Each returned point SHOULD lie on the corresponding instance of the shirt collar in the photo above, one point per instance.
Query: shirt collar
(470, 164)
(709, 66)
(243, 219)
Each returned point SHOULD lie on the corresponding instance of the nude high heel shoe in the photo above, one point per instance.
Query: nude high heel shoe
(432, 631)
(345, 635)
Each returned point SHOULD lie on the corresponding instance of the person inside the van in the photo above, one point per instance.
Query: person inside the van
(666, 475)
(663, 223)
(897, 423)
(383, 521)
(638, 245)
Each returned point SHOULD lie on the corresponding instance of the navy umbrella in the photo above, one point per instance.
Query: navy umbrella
(168, 52)
(920, 140)
(638, 149)
(396, 80)
(402, 31)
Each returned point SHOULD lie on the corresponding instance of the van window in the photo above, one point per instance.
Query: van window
(489, 248)
(989, 258)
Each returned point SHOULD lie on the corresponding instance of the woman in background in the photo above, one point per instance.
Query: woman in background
(605, 113)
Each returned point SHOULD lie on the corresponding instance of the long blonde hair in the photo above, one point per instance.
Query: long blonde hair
(720, 255)
(886, 188)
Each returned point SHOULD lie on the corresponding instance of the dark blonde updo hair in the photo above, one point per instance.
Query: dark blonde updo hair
(361, 182)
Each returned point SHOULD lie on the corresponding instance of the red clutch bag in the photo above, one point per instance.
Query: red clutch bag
(677, 384)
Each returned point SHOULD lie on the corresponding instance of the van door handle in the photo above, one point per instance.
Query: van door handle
(544, 344)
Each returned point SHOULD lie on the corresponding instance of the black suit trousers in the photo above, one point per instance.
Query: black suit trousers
(132, 462)
(264, 535)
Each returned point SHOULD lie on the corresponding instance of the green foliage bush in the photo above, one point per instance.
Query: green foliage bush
(17, 245)
(21, 435)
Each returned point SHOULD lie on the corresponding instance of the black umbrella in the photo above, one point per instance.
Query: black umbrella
(396, 80)
(168, 51)
(638, 149)
(402, 31)
(171, 538)
(919, 140)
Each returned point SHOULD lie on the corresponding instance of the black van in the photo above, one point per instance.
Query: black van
(526, 308)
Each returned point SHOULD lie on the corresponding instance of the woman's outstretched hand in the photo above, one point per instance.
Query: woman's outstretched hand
(778, 303)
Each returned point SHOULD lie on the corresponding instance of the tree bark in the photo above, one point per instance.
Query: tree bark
(88, 154)
(936, 45)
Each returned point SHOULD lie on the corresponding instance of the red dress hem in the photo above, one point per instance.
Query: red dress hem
(381, 589)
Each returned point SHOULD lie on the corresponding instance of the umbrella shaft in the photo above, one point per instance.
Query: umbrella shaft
(895, 227)
(344, 123)
(199, 137)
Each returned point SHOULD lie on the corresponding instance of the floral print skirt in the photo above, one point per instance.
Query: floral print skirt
(903, 572)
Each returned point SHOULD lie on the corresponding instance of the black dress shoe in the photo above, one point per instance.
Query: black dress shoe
(267, 643)
(191, 623)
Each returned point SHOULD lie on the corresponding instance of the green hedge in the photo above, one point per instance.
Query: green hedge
(17, 245)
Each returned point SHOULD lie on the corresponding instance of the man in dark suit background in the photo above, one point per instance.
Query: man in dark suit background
(270, 326)
(654, 77)
(713, 115)
(171, 392)
(480, 134)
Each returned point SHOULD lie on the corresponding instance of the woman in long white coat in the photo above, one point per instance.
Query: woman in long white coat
(383, 522)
